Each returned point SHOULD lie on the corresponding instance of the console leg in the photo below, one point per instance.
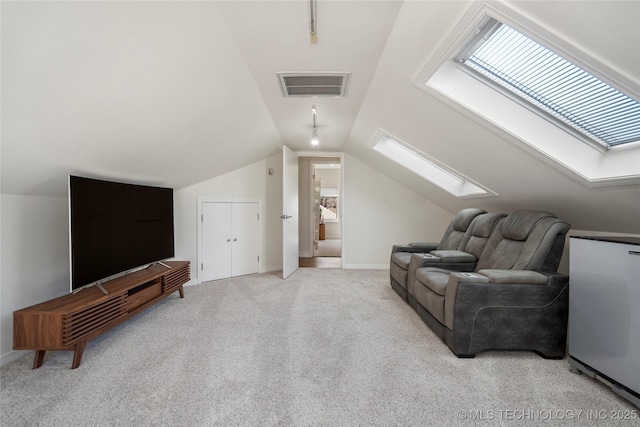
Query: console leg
(181, 290)
(77, 354)
(38, 359)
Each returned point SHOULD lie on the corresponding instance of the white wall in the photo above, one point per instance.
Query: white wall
(379, 212)
(250, 182)
(35, 258)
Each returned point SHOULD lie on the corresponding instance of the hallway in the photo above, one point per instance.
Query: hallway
(320, 262)
(329, 248)
(327, 255)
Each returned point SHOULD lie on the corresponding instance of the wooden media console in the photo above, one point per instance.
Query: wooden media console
(69, 322)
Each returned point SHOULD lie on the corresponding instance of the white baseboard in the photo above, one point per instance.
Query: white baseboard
(366, 266)
(269, 269)
(305, 254)
(12, 355)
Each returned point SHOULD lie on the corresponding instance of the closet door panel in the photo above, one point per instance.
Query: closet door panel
(246, 239)
(216, 241)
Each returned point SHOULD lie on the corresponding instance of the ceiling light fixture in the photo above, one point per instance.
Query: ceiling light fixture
(313, 38)
(314, 135)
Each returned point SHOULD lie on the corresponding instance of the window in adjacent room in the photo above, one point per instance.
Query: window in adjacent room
(553, 85)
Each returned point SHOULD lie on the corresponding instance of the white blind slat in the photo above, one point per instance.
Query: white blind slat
(559, 87)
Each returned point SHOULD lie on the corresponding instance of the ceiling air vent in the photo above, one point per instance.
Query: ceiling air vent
(314, 84)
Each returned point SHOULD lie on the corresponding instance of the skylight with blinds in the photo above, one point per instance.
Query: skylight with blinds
(429, 169)
(553, 85)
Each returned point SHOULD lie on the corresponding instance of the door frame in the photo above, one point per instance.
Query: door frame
(290, 211)
(340, 155)
(199, 255)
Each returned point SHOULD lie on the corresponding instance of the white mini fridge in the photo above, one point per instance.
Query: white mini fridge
(604, 311)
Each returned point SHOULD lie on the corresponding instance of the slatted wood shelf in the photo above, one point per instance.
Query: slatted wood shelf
(68, 322)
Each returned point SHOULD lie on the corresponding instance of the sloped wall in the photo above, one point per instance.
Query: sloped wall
(35, 258)
(250, 182)
(379, 212)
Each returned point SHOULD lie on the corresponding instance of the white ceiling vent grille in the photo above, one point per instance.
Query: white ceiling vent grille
(314, 84)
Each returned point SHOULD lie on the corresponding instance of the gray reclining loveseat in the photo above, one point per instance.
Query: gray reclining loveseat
(453, 238)
(463, 259)
(500, 290)
(512, 299)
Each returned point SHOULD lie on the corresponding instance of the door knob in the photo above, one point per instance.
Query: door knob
(285, 216)
(228, 240)
(235, 240)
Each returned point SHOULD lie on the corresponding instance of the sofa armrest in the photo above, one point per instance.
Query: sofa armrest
(515, 276)
(424, 246)
(454, 256)
(400, 248)
(468, 293)
(481, 315)
(414, 247)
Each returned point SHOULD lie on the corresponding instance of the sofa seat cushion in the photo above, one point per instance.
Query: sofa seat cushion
(433, 278)
(399, 275)
(401, 259)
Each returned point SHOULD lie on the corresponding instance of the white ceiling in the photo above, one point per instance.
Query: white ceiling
(174, 93)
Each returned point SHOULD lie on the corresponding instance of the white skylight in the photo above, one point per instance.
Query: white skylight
(596, 159)
(426, 167)
(553, 84)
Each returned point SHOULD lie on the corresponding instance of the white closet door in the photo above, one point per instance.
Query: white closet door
(245, 250)
(216, 241)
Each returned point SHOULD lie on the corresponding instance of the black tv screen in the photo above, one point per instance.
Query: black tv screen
(115, 227)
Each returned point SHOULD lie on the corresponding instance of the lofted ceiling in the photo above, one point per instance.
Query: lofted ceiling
(177, 92)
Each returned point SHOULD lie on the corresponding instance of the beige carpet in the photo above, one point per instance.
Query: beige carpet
(329, 248)
(322, 348)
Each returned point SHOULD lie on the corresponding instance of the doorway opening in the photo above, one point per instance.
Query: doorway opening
(326, 201)
(321, 202)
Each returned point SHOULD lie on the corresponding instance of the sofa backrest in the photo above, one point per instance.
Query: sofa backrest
(478, 233)
(458, 227)
(525, 240)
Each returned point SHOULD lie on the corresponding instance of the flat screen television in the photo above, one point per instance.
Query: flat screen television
(115, 227)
